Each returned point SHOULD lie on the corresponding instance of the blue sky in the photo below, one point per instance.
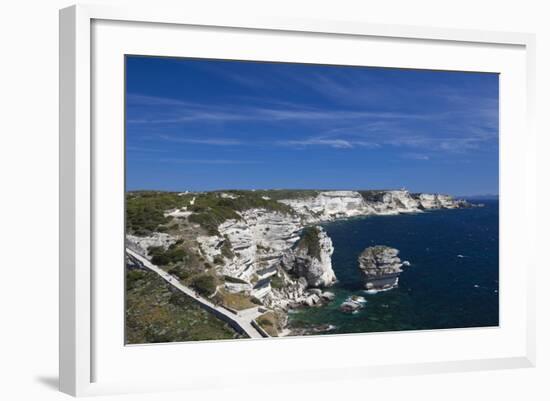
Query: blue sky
(209, 124)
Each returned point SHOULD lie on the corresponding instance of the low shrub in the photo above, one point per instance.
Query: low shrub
(277, 282)
(310, 241)
(205, 284)
(164, 257)
(133, 276)
(180, 272)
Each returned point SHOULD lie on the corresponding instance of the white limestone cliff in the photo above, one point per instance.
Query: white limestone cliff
(330, 205)
(253, 245)
(283, 259)
(333, 205)
(260, 243)
(142, 244)
(311, 258)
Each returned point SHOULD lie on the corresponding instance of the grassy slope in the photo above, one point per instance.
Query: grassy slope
(145, 209)
(269, 322)
(157, 313)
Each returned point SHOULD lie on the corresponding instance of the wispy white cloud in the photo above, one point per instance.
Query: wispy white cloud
(415, 156)
(176, 111)
(203, 141)
(138, 149)
(332, 143)
(208, 161)
(467, 122)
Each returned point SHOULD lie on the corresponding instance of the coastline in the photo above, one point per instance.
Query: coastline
(253, 247)
(452, 281)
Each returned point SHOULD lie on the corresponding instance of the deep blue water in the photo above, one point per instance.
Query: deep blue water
(439, 290)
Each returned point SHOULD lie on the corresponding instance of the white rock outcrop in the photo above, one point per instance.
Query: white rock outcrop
(437, 201)
(381, 267)
(330, 205)
(333, 205)
(142, 244)
(311, 258)
(284, 259)
(253, 245)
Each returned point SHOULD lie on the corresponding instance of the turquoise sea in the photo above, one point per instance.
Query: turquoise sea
(452, 281)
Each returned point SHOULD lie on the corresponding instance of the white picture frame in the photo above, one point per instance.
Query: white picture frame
(82, 344)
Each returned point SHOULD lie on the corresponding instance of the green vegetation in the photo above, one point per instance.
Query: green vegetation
(268, 321)
(145, 210)
(310, 242)
(210, 219)
(277, 281)
(180, 272)
(279, 194)
(164, 257)
(205, 284)
(211, 209)
(234, 301)
(133, 277)
(157, 313)
(254, 200)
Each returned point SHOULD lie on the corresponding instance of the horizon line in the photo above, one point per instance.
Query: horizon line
(486, 194)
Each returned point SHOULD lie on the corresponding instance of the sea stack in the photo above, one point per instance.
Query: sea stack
(311, 258)
(381, 267)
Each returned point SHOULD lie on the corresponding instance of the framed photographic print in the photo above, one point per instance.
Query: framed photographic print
(243, 186)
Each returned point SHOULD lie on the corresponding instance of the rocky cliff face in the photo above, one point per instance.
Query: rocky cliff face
(311, 258)
(381, 267)
(142, 244)
(437, 201)
(330, 205)
(278, 254)
(333, 205)
(264, 243)
(249, 248)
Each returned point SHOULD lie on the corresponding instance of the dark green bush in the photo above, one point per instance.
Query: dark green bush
(277, 282)
(310, 241)
(133, 276)
(164, 257)
(205, 284)
(160, 260)
(145, 210)
(180, 272)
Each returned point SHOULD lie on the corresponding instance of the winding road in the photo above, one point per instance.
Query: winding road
(240, 321)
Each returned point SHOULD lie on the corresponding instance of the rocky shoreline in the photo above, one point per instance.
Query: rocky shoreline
(282, 258)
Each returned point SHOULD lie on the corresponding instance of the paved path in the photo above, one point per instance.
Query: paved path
(242, 319)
